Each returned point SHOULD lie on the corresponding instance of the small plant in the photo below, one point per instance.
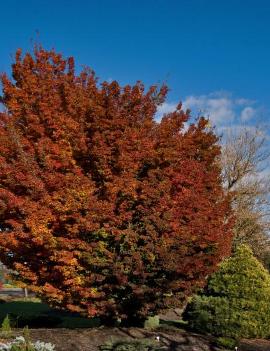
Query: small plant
(5, 327)
(43, 346)
(21, 344)
(6, 324)
(227, 343)
(26, 335)
(131, 345)
(151, 322)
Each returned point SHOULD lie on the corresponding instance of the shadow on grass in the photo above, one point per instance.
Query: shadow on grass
(40, 315)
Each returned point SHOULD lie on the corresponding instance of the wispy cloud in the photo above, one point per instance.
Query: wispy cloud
(247, 113)
(244, 102)
(220, 107)
(217, 108)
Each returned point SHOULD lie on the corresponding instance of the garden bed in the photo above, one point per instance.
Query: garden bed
(92, 339)
(71, 332)
(254, 345)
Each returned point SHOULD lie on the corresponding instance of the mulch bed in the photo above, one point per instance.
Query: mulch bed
(171, 340)
(91, 339)
(254, 345)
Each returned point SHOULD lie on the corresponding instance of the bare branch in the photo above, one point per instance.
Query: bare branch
(244, 157)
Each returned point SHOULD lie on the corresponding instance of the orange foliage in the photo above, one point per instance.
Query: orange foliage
(104, 210)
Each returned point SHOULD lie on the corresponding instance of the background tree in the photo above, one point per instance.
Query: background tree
(103, 210)
(244, 157)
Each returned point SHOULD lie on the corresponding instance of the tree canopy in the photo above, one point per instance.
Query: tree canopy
(103, 210)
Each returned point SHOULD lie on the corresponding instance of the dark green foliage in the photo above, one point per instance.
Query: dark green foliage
(236, 302)
(41, 321)
(40, 315)
(132, 345)
(228, 343)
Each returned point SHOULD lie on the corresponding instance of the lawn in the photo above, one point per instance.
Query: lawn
(36, 314)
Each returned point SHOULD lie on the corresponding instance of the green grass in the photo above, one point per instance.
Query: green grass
(35, 314)
(38, 314)
(23, 308)
(178, 323)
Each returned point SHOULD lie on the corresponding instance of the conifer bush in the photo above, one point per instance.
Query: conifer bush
(236, 301)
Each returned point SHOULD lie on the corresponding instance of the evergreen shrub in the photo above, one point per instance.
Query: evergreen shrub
(236, 301)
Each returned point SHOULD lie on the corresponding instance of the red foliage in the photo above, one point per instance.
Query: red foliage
(104, 210)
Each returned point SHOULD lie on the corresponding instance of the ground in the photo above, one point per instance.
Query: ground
(172, 340)
(71, 332)
(91, 339)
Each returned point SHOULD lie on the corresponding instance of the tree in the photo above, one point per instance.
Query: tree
(103, 210)
(244, 157)
(236, 301)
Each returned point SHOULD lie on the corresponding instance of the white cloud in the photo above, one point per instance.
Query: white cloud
(220, 107)
(243, 101)
(247, 114)
(217, 107)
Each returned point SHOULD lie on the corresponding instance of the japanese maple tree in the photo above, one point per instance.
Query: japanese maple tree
(103, 210)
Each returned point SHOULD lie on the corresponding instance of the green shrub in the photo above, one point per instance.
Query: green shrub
(6, 331)
(132, 345)
(236, 302)
(6, 325)
(151, 322)
(227, 343)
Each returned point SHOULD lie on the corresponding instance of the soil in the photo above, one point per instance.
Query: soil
(254, 345)
(170, 340)
(91, 339)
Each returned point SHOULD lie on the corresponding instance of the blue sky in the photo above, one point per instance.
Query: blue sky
(213, 54)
